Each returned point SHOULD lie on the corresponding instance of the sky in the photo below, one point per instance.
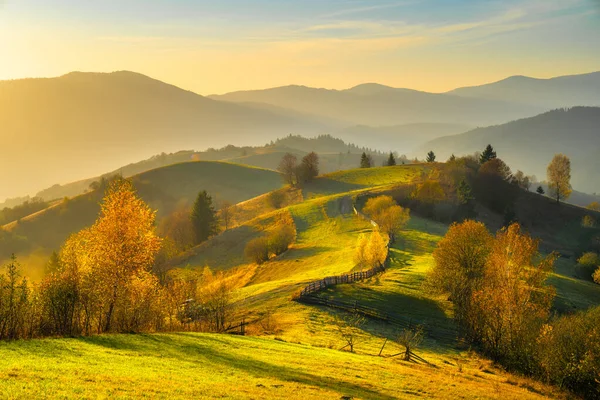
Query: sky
(226, 45)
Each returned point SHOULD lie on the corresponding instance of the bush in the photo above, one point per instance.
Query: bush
(257, 250)
(275, 199)
(568, 352)
(588, 221)
(281, 238)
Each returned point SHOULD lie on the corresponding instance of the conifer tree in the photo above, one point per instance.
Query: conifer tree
(487, 155)
(464, 192)
(365, 161)
(540, 190)
(204, 217)
(391, 160)
(430, 157)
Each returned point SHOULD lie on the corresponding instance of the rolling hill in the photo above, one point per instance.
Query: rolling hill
(84, 124)
(164, 189)
(299, 357)
(334, 155)
(529, 144)
(562, 91)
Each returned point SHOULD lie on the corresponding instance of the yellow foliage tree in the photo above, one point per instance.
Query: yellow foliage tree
(460, 259)
(376, 250)
(559, 177)
(514, 301)
(429, 192)
(371, 251)
(389, 216)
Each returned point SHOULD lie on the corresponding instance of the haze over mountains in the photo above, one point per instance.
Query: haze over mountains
(82, 125)
(563, 91)
(529, 144)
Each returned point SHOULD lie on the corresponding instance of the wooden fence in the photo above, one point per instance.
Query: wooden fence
(316, 286)
(437, 332)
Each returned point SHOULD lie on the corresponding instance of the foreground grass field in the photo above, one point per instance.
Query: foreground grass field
(189, 365)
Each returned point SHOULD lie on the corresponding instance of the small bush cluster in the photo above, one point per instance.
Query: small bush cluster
(260, 249)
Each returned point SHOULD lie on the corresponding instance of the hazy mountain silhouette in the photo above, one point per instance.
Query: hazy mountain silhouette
(529, 144)
(563, 91)
(401, 138)
(378, 105)
(83, 124)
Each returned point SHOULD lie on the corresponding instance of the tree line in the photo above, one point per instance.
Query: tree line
(502, 302)
(102, 279)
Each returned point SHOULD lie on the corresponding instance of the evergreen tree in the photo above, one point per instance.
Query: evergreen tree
(430, 157)
(487, 155)
(365, 161)
(204, 217)
(391, 160)
(540, 190)
(464, 192)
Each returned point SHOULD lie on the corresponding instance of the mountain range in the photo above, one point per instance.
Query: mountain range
(81, 125)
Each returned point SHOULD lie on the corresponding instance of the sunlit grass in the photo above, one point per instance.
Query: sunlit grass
(189, 365)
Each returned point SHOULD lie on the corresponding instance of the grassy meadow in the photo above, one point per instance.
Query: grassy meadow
(299, 357)
(193, 365)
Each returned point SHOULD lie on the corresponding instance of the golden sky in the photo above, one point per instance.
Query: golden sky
(238, 45)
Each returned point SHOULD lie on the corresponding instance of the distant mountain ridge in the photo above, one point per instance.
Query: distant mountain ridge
(529, 144)
(82, 124)
(562, 91)
(378, 105)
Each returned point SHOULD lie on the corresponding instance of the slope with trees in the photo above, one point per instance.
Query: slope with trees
(529, 144)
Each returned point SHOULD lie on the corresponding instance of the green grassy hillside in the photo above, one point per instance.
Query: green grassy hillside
(189, 365)
(163, 189)
(298, 357)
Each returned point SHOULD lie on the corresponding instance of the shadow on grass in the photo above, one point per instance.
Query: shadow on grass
(214, 351)
(327, 186)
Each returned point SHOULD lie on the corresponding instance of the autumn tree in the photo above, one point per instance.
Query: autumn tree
(308, 168)
(120, 247)
(227, 213)
(204, 218)
(391, 161)
(514, 299)
(371, 251)
(522, 180)
(460, 259)
(288, 167)
(215, 295)
(389, 216)
(594, 206)
(559, 177)
(487, 155)
(430, 157)
(429, 192)
(177, 227)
